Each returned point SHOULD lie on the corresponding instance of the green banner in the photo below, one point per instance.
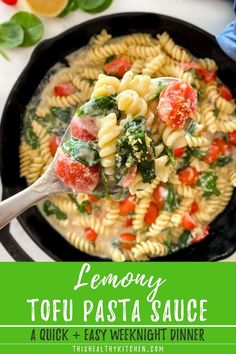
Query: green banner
(117, 308)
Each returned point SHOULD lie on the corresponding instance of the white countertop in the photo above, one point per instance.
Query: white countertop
(211, 15)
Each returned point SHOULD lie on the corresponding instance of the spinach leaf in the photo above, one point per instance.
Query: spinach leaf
(30, 137)
(216, 111)
(101, 105)
(147, 170)
(11, 35)
(136, 125)
(82, 151)
(82, 207)
(191, 128)
(71, 6)
(159, 85)
(109, 59)
(62, 114)
(208, 183)
(222, 161)
(199, 154)
(184, 238)
(50, 208)
(171, 202)
(31, 25)
(170, 154)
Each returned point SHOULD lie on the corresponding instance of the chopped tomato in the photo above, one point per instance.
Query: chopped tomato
(10, 2)
(76, 175)
(127, 241)
(207, 76)
(128, 222)
(212, 154)
(160, 195)
(179, 152)
(189, 176)
(151, 214)
(84, 128)
(92, 198)
(90, 234)
(128, 205)
(117, 67)
(202, 235)
(225, 92)
(89, 208)
(232, 137)
(127, 179)
(224, 146)
(64, 89)
(188, 222)
(193, 208)
(54, 143)
(177, 102)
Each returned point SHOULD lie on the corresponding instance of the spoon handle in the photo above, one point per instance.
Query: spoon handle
(17, 204)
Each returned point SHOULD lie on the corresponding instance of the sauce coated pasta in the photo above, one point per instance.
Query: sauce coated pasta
(167, 150)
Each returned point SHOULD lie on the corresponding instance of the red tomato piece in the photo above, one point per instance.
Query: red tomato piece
(127, 205)
(76, 175)
(177, 102)
(179, 152)
(64, 89)
(225, 92)
(212, 154)
(193, 208)
(188, 222)
(84, 128)
(160, 195)
(127, 240)
(117, 67)
(189, 176)
(232, 137)
(151, 214)
(128, 222)
(202, 235)
(90, 234)
(209, 76)
(54, 143)
(224, 146)
(92, 198)
(10, 2)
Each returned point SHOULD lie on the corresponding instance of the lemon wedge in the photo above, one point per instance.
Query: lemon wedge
(49, 8)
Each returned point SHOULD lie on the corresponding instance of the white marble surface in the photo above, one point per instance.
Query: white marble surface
(211, 15)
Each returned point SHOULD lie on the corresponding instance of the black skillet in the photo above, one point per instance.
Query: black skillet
(221, 242)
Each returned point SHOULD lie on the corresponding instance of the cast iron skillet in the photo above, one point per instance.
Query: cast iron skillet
(222, 239)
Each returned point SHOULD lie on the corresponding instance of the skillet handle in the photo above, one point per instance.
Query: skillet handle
(17, 204)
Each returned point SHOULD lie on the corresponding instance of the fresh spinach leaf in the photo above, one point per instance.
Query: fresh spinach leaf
(216, 111)
(81, 207)
(170, 154)
(136, 125)
(82, 151)
(147, 170)
(184, 238)
(208, 183)
(109, 59)
(222, 161)
(70, 7)
(63, 114)
(101, 105)
(159, 85)
(50, 208)
(11, 35)
(171, 202)
(199, 154)
(191, 128)
(31, 25)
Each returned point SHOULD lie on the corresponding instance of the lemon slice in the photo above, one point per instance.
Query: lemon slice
(49, 8)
